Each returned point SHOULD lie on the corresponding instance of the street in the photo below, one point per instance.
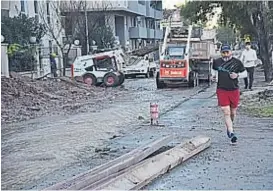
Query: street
(43, 151)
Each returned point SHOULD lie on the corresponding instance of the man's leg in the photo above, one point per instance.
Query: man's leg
(228, 121)
(251, 77)
(233, 112)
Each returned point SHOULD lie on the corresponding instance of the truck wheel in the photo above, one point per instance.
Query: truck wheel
(159, 84)
(90, 79)
(147, 75)
(152, 74)
(121, 78)
(110, 80)
(192, 79)
(196, 80)
(209, 80)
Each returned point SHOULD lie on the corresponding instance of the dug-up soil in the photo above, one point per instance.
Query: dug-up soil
(23, 98)
(259, 104)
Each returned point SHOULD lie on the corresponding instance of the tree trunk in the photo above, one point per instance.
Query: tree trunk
(264, 43)
(266, 63)
(64, 64)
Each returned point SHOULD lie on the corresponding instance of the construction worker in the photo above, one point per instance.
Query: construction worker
(53, 64)
(249, 58)
(229, 70)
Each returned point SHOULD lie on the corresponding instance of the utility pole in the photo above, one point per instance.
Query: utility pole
(86, 27)
(154, 3)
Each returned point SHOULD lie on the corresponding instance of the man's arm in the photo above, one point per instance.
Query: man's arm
(242, 73)
(214, 70)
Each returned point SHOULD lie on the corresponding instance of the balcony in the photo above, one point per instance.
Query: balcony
(137, 8)
(137, 32)
(158, 34)
(113, 5)
(150, 33)
(158, 15)
(150, 12)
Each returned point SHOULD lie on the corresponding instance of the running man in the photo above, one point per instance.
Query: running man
(229, 70)
(249, 57)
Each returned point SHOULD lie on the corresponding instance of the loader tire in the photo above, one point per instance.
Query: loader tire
(90, 79)
(111, 80)
(121, 78)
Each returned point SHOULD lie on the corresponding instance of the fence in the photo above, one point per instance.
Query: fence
(35, 60)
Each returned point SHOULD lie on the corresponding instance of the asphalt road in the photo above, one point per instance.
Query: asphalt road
(47, 150)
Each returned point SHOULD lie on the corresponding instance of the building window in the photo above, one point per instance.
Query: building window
(50, 46)
(4, 13)
(23, 6)
(47, 8)
(35, 6)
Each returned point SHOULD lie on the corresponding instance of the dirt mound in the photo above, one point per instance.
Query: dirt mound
(259, 104)
(24, 98)
(266, 94)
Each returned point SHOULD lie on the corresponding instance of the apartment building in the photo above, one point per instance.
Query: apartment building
(134, 22)
(41, 10)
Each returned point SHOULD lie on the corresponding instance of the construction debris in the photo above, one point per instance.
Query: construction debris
(91, 177)
(132, 170)
(145, 50)
(146, 171)
(24, 98)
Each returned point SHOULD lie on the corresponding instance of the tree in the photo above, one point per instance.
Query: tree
(249, 17)
(63, 28)
(20, 28)
(103, 36)
(17, 32)
(225, 35)
(99, 22)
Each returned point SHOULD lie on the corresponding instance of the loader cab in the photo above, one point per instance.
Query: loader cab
(103, 63)
(175, 52)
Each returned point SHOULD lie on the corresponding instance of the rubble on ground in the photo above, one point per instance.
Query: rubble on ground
(259, 104)
(23, 98)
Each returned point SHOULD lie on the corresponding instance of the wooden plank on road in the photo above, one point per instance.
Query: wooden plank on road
(149, 169)
(112, 167)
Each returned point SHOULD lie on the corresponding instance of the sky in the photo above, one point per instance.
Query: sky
(169, 4)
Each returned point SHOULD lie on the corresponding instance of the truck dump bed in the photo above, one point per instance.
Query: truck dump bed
(202, 50)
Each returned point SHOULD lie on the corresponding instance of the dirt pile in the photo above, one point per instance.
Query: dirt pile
(24, 98)
(259, 104)
(266, 95)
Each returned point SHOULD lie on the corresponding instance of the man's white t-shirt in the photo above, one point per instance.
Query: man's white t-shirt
(248, 58)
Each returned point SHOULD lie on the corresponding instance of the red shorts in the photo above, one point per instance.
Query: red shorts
(228, 98)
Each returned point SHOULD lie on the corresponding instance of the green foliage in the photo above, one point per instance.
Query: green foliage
(20, 28)
(22, 59)
(226, 34)
(17, 32)
(197, 11)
